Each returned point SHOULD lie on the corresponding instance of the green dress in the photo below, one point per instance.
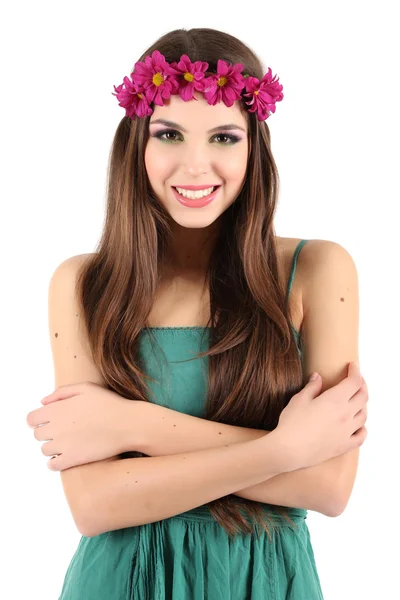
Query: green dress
(190, 556)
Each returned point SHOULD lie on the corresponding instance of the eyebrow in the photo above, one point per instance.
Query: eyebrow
(227, 127)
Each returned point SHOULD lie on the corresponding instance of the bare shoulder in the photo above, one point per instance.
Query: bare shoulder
(325, 265)
(75, 262)
(68, 270)
(69, 344)
(315, 256)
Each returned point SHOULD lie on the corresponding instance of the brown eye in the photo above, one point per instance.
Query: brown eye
(230, 138)
(222, 135)
(159, 135)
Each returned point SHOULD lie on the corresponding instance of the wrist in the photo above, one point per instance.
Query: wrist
(133, 436)
(284, 452)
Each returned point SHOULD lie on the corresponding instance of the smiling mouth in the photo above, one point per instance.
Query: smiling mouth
(213, 190)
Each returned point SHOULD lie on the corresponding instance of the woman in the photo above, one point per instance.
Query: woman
(190, 308)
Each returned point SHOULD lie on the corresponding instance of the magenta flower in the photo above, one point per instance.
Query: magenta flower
(264, 94)
(225, 85)
(132, 98)
(192, 76)
(156, 77)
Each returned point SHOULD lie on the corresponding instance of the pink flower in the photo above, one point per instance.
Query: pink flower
(156, 77)
(132, 98)
(193, 76)
(264, 94)
(225, 85)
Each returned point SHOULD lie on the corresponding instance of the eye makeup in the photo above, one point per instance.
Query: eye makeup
(232, 137)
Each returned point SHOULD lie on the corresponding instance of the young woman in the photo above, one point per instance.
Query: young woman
(190, 438)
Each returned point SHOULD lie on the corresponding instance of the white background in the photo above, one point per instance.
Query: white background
(335, 139)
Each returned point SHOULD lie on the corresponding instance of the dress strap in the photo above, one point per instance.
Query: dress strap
(294, 265)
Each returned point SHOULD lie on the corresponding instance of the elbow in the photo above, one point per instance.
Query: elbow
(341, 483)
(85, 529)
(334, 509)
(83, 526)
(335, 502)
(81, 518)
(88, 527)
(92, 523)
(84, 521)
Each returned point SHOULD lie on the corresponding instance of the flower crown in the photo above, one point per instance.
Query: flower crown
(155, 79)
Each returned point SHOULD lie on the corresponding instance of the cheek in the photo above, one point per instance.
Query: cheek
(234, 168)
(157, 163)
(160, 164)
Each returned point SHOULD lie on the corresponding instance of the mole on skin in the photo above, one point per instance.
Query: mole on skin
(56, 335)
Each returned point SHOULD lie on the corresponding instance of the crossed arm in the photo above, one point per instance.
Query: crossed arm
(330, 336)
(166, 432)
(329, 331)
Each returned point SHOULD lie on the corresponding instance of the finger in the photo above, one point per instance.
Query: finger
(63, 392)
(359, 420)
(359, 437)
(47, 400)
(350, 384)
(361, 395)
(54, 463)
(354, 371)
(37, 417)
(49, 448)
(363, 412)
(314, 377)
(358, 402)
(365, 387)
(314, 385)
(41, 433)
(54, 397)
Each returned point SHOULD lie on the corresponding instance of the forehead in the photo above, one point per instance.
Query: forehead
(198, 114)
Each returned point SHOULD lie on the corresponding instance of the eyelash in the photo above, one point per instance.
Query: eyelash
(234, 138)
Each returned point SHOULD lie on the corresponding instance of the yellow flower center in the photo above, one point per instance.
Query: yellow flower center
(222, 81)
(140, 96)
(158, 79)
(256, 93)
(188, 77)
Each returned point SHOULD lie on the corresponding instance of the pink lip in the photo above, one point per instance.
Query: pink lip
(199, 203)
(195, 187)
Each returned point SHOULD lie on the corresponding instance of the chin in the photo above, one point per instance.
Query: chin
(195, 221)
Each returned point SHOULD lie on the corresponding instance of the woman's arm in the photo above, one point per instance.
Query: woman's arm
(329, 283)
(131, 492)
(164, 431)
(330, 342)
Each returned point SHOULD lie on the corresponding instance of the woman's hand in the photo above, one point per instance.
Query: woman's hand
(316, 427)
(83, 423)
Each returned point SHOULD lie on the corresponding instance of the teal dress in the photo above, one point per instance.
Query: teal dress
(190, 556)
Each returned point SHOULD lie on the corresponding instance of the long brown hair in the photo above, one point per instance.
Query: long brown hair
(254, 363)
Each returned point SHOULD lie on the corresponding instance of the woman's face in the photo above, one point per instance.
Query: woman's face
(191, 154)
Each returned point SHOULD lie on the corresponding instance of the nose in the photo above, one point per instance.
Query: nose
(196, 160)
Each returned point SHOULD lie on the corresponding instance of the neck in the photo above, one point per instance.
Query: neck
(191, 250)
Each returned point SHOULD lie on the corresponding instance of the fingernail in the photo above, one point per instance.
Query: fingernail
(314, 376)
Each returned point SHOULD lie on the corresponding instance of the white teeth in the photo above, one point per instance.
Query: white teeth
(194, 194)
